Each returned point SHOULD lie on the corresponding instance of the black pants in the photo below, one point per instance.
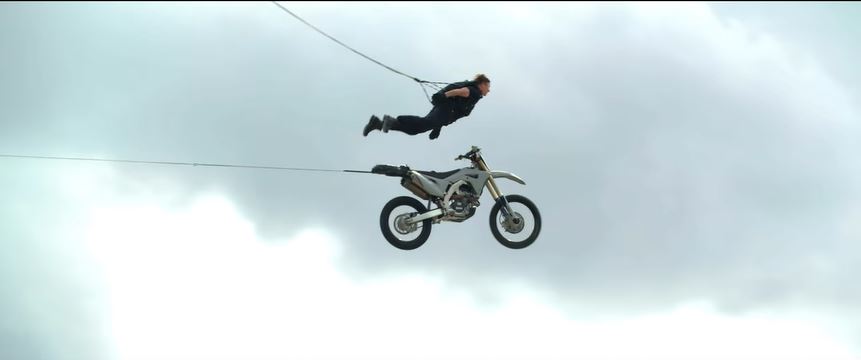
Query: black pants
(438, 117)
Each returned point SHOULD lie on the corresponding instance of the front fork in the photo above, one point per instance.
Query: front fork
(494, 189)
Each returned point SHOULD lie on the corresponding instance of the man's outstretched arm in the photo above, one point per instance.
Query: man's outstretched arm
(462, 92)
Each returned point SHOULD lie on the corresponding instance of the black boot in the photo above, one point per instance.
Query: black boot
(373, 124)
(388, 123)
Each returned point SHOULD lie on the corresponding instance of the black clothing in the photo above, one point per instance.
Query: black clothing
(444, 112)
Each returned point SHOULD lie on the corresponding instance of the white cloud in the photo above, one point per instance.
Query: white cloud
(195, 282)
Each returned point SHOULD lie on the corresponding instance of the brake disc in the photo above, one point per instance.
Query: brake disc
(513, 223)
(401, 225)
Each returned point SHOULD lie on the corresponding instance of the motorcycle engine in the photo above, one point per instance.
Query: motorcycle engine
(463, 202)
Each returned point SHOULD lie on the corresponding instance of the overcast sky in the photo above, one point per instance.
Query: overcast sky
(695, 165)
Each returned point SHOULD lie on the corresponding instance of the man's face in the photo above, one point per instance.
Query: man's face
(484, 88)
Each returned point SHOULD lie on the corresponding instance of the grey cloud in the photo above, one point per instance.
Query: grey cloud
(665, 167)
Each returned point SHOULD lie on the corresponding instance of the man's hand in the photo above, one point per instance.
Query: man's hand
(434, 133)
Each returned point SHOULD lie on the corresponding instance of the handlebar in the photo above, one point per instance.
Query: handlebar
(469, 154)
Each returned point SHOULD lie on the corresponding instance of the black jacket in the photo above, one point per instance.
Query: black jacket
(458, 106)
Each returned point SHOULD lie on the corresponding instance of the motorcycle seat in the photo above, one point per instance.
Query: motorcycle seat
(438, 175)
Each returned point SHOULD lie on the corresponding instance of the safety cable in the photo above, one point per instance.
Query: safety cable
(420, 81)
(179, 163)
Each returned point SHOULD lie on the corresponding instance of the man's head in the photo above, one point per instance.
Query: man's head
(483, 84)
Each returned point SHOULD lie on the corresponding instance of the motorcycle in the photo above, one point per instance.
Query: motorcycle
(514, 220)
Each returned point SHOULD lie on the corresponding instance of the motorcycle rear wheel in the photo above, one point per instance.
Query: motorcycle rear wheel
(388, 223)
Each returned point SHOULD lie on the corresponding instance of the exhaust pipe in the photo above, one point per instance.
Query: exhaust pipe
(415, 189)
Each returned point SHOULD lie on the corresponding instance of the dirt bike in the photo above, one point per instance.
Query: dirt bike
(514, 220)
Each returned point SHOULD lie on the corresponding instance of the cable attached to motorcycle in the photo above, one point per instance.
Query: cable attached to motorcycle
(421, 82)
(176, 163)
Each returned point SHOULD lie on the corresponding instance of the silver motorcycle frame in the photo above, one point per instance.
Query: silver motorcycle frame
(478, 176)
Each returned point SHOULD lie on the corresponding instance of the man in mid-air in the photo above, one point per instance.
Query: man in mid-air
(449, 104)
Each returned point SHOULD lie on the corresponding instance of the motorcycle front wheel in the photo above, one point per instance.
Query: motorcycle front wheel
(396, 231)
(518, 229)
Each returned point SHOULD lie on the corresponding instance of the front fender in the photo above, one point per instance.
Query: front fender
(507, 175)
